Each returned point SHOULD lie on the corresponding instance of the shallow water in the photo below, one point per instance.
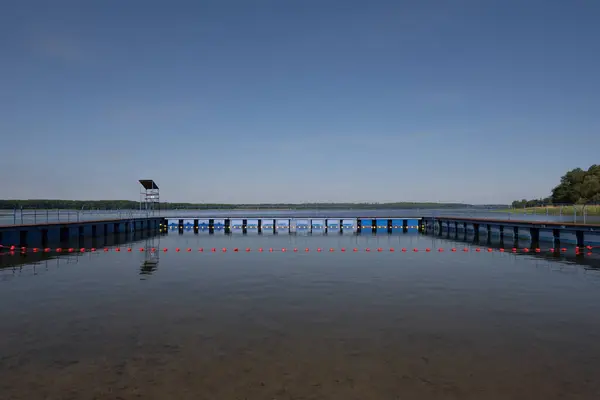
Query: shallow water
(285, 325)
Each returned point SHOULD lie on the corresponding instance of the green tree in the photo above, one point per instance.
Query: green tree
(578, 186)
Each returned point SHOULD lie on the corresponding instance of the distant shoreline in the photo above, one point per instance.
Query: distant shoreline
(10, 205)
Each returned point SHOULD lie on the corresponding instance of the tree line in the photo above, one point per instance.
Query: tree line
(577, 186)
(132, 205)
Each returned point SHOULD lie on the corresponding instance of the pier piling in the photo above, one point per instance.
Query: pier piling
(535, 236)
(556, 237)
(579, 237)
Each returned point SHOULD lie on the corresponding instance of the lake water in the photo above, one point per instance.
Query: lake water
(305, 325)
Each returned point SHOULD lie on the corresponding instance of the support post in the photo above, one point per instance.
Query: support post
(65, 234)
(289, 226)
(476, 230)
(196, 226)
(244, 226)
(389, 226)
(260, 226)
(227, 223)
(326, 222)
(374, 225)
(556, 238)
(404, 225)
(44, 237)
(341, 226)
(180, 226)
(310, 225)
(502, 233)
(274, 226)
(358, 226)
(535, 237)
(579, 237)
(211, 226)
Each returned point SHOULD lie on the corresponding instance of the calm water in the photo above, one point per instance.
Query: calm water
(300, 326)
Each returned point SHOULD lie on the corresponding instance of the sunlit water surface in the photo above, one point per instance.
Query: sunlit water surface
(285, 325)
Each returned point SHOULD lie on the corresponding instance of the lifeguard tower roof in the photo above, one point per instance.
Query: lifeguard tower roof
(148, 184)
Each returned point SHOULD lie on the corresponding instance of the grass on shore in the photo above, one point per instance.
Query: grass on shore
(593, 210)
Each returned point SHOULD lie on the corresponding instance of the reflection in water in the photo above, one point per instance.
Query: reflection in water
(151, 256)
(17, 259)
(278, 325)
(148, 267)
(587, 258)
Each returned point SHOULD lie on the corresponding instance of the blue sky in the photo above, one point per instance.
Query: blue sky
(292, 101)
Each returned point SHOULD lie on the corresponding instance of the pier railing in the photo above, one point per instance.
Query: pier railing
(35, 216)
(582, 214)
(576, 213)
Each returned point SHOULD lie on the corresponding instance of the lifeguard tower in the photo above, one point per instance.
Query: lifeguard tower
(150, 203)
(149, 197)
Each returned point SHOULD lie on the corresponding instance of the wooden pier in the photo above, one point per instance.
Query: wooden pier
(272, 223)
(584, 233)
(54, 232)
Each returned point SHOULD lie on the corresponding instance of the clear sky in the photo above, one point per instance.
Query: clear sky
(479, 101)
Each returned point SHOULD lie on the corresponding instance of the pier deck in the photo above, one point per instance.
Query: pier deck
(571, 226)
(52, 231)
(583, 233)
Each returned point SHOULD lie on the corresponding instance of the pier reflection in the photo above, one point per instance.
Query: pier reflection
(14, 260)
(151, 256)
(586, 258)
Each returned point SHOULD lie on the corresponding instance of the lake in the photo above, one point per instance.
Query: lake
(299, 325)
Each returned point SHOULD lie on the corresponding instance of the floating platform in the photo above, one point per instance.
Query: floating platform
(42, 234)
(56, 232)
(535, 231)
